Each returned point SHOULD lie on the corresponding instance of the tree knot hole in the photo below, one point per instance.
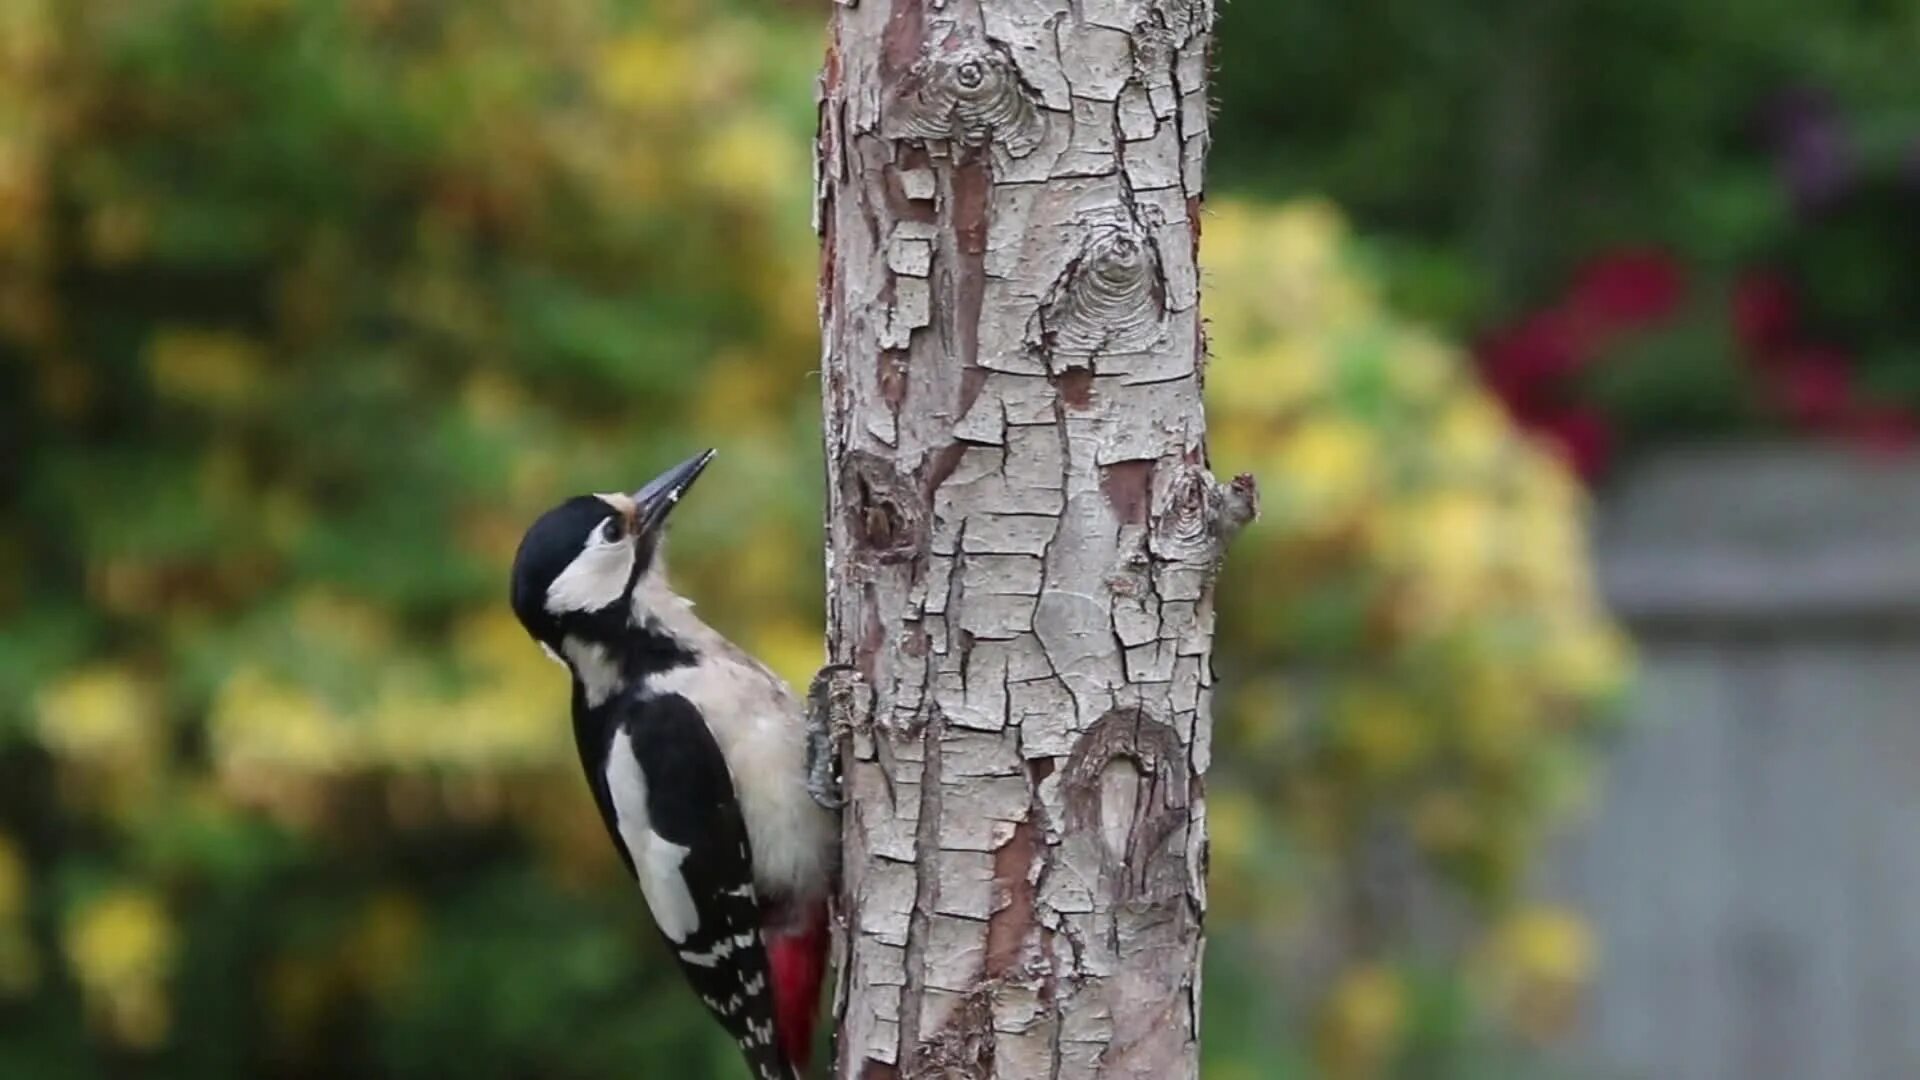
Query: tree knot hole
(881, 511)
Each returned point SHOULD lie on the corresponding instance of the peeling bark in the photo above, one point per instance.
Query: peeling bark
(1023, 533)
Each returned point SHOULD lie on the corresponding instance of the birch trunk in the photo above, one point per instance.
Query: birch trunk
(1023, 533)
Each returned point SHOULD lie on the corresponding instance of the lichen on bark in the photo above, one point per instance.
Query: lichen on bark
(1023, 532)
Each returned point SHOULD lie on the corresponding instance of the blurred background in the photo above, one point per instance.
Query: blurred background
(1569, 681)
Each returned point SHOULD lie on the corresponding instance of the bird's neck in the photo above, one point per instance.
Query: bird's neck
(656, 632)
(605, 668)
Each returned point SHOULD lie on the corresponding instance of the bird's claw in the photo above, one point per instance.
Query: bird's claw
(831, 701)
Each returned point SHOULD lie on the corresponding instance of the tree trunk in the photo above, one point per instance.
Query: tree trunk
(1023, 532)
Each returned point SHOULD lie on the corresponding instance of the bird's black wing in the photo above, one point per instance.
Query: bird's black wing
(668, 799)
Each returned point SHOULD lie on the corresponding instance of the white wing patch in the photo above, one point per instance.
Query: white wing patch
(656, 860)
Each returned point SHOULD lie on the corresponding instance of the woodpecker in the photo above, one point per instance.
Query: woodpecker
(703, 764)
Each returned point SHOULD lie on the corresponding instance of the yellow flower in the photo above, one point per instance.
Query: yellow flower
(1362, 1022)
(101, 714)
(644, 71)
(121, 947)
(1278, 271)
(1537, 964)
(1308, 233)
(1470, 434)
(1233, 824)
(1443, 540)
(27, 36)
(331, 619)
(511, 716)
(1499, 708)
(749, 159)
(258, 723)
(1586, 662)
(1286, 374)
(1423, 368)
(492, 640)
(1326, 460)
(1549, 944)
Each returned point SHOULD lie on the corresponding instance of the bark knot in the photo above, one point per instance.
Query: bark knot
(1110, 299)
(1126, 791)
(966, 92)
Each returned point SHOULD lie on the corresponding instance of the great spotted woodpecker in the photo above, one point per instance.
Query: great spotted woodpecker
(701, 762)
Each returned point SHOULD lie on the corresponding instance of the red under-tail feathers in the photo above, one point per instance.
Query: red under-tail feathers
(797, 955)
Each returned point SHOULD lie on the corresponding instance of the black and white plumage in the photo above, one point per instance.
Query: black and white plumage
(668, 799)
(697, 756)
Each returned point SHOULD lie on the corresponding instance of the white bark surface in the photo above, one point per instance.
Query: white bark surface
(1023, 531)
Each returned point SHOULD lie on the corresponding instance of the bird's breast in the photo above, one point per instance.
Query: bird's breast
(760, 729)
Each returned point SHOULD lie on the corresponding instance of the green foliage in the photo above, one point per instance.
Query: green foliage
(305, 308)
(1507, 141)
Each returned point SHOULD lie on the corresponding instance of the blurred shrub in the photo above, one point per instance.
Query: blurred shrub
(1515, 159)
(1413, 666)
(1639, 352)
(1502, 143)
(305, 309)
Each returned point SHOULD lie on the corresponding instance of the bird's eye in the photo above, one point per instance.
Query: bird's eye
(610, 531)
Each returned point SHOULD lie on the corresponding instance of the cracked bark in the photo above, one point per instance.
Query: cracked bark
(1023, 533)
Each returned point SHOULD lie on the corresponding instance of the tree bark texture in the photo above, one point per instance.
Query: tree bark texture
(1023, 532)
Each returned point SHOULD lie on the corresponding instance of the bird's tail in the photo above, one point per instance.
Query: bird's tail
(797, 955)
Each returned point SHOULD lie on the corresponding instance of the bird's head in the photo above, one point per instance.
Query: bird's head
(578, 565)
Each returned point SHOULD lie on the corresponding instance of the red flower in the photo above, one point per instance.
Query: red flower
(1815, 387)
(1628, 289)
(1524, 360)
(1764, 312)
(1582, 438)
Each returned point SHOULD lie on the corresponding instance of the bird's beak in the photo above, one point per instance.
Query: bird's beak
(652, 504)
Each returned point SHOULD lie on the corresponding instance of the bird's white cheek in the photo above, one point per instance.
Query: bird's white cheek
(596, 577)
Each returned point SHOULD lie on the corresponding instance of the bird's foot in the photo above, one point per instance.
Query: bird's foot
(831, 704)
